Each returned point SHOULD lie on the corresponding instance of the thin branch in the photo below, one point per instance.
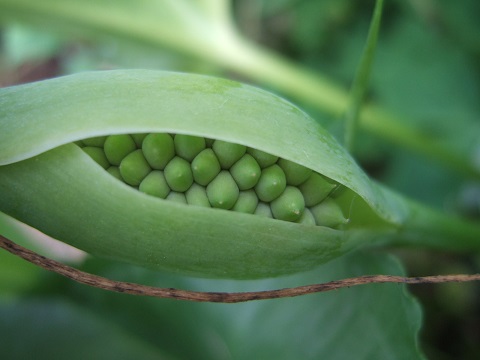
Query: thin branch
(218, 297)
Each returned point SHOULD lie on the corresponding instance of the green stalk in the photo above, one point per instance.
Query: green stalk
(360, 83)
(207, 32)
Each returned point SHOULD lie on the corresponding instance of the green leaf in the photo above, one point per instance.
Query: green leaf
(52, 185)
(327, 325)
(54, 329)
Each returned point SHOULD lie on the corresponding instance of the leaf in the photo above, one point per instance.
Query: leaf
(55, 187)
(378, 321)
(55, 329)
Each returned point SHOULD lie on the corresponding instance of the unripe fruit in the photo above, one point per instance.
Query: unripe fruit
(246, 172)
(96, 141)
(158, 150)
(247, 202)
(197, 195)
(289, 206)
(294, 173)
(263, 159)
(223, 191)
(228, 153)
(328, 213)
(116, 147)
(134, 168)
(205, 167)
(251, 181)
(178, 174)
(263, 209)
(177, 197)
(155, 184)
(115, 172)
(271, 184)
(315, 189)
(98, 155)
(138, 138)
(187, 146)
(307, 218)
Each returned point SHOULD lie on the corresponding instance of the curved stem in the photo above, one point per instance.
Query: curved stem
(429, 228)
(217, 297)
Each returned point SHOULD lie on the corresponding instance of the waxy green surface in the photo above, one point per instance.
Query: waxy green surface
(55, 187)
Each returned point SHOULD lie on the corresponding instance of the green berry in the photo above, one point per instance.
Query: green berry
(247, 202)
(96, 141)
(197, 195)
(98, 155)
(328, 213)
(155, 184)
(205, 167)
(246, 172)
(295, 173)
(138, 138)
(177, 197)
(187, 146)
(307, 218)
(115, 172)
(178, 174)
(289, 206)
(315, 189)
(228, 153)
(223, 191)
(158, 150)
(134, 168)
(272, 183)
(264, 159)
(263, 209)
(116, 147)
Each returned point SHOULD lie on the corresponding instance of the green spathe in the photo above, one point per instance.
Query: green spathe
(48, 184)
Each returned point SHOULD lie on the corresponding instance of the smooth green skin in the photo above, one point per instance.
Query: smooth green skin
(177, 197)
(263, 210)
(134, 168)
(138, 138)
(98, 155)
(328, 213)
(158, 149)
(228, 153)
(223, 191)
(263, 159)
(271, 184)
(187, 146)
(294, 173)
(307, 218)
(49, 186)
(289, 206)
(178, 174)
(205, 167)
(97, 141)
(315, 189)
(117, 147)
(197, 195)
(155, 184)
(247, 202)
(115, 172)
(246, 172)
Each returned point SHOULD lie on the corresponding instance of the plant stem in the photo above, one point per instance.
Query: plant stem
(362, 76)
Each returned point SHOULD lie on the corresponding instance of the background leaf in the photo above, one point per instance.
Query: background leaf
(374, 321)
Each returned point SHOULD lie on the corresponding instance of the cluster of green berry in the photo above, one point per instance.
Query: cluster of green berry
(219, 174)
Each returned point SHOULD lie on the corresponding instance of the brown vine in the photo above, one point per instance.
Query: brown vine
(218, 297)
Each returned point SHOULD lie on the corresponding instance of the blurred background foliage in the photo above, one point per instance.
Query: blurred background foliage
(427, 70)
